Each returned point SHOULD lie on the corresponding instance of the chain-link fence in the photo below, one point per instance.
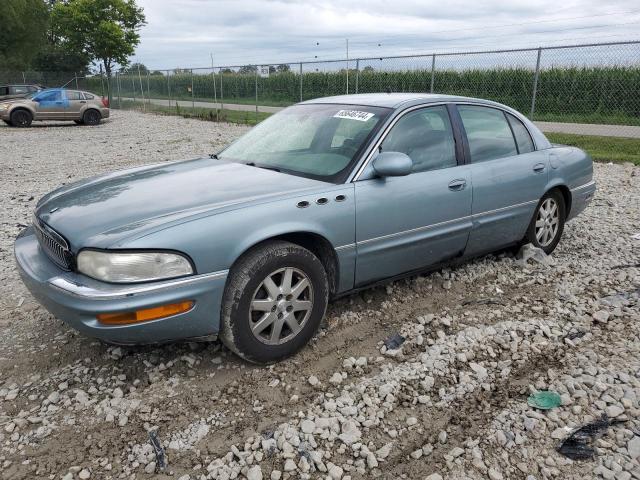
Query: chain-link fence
(582, 89)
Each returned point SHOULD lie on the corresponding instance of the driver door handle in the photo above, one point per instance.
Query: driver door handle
(457, 184)
(538, 167)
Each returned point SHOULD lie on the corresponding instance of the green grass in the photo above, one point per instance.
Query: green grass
(207, 114)
(602, 149)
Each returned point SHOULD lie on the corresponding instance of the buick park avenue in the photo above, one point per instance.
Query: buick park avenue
(321, 199)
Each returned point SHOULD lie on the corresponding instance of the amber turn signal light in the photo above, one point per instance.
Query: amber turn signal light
(148, 314)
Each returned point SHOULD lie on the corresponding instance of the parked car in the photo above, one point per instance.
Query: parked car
(55, 104)
(18, 91)
(324, 198)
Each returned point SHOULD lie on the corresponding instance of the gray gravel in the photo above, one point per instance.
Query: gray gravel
(451, 402)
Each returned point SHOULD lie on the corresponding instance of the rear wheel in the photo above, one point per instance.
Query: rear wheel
(7, 122)
(21, 118)
(91, 117)
(274, 301)
(547, 224)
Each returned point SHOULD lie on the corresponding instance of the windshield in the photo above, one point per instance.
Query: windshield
(316, 140)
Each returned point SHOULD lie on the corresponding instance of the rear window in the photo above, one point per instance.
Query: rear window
(523, 139)
(488, 133)
(71, 95)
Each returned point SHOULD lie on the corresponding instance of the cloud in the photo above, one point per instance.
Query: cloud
(183, 34)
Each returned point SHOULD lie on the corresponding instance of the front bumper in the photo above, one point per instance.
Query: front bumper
(77, 299)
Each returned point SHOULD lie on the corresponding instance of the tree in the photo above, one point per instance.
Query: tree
(23, 28)
(133, 69)
(248, 69)
(105, 30)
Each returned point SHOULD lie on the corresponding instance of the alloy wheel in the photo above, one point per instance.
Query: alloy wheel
(547, 222)
(280, 306)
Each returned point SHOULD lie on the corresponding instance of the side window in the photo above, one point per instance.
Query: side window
(88, 96)
(54, 96)
(523, 139)
(19, 90)
(71, 95)
(4, 90)
(426, 136)
(32, 88)
(488, 133)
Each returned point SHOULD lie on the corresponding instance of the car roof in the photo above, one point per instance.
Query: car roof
(394, 100)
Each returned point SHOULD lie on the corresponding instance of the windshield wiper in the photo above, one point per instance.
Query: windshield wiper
(253, 164)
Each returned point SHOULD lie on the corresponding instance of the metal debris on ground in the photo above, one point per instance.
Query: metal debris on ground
(483, 301)
(576, 334)
(161, 464)
(394, 341)
(579, 445)
(544, 400)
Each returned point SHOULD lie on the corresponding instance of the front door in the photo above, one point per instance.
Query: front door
(51, 105)
(408, 223)
(509, 176)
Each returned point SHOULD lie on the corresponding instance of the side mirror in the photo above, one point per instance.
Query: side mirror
(392, 164)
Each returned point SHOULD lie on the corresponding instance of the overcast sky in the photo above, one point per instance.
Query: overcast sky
(184, 33)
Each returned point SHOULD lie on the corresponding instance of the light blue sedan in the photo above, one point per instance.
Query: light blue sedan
(324, 198)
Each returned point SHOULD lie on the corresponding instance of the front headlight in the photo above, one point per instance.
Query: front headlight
(130, 267)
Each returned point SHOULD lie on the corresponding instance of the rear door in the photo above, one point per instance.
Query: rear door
(408, 223)
(509, 176)
(51, 105)
(76, 105)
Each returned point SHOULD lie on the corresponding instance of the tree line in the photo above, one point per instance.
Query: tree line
(68, 35)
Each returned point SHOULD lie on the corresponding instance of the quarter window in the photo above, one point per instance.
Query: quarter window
(523, 139)
(426, 136)
(488, 133)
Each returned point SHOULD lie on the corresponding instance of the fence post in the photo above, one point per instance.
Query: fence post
(75, 75)
(23, 79)
(221, 93)
(101, 82)
(535, 84)
(357, 73)
(433, 71)
(193, 103)
(148, 90)
(144, 105)
(300, 81)
(119, 95)
(215, 94)
(257, 93)
(133, 84)
(168, 88)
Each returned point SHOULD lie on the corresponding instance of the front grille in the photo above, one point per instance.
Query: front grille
(56, 247)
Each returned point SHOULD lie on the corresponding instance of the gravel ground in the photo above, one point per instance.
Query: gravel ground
(451, 402)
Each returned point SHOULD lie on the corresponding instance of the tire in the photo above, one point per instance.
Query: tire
(21, 118)
(287, 266)
(547, 224)
(78, 122)
(91, 117)
(7, 122)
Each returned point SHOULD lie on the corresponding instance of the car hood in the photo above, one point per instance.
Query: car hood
(101, 211)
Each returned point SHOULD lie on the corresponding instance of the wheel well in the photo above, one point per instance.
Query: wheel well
(17, 109)
(566, 194)
(319, 246)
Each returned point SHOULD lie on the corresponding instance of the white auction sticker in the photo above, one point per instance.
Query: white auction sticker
(354, 115)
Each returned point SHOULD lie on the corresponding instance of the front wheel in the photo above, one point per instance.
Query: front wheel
(21, 118)
(274, 301)
(547, 224)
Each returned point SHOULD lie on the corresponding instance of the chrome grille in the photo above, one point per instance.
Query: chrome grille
(56, 247)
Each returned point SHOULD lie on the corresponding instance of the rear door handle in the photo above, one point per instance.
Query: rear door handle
(83, 101)
(458, 184)
(539, 167)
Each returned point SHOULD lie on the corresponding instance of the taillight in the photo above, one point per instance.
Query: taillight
(105, 102)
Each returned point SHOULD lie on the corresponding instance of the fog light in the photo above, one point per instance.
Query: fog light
(148, 314)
